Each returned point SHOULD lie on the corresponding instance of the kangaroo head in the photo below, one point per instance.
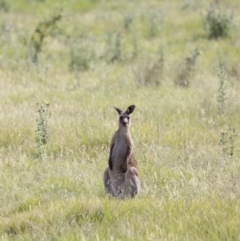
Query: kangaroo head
(124, 117)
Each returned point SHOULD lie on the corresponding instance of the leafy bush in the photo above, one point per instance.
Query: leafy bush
(81, 56)
(113, 52)
(222, 92)
(218, 22)
(154, 21)
(187, 69)
(42, 30)
(228, 140)
(4, 6)
(191, 4)
(150, 72)
(230, 67)
(136, 41)
(42, 129)
(128, 21)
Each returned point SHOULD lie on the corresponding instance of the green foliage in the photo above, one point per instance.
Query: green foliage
(222, 96)
(113, 47)
(191, 4)
(154, 19)
(150, 72)
(185, 73)
(42, 30)
(81, 56)
(128, 21)
(228, 140)
(136, 40)
(3, 31)
(234, 71)
(218, 22)
(42, 129)
(228, 66)
(4, 6)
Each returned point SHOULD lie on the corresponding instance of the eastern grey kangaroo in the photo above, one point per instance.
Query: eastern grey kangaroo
(121, 178)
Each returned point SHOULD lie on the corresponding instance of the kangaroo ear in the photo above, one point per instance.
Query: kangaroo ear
(130, 109)
(118, 110)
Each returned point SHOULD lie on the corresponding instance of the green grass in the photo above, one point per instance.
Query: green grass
(95, 219)
(190, 187)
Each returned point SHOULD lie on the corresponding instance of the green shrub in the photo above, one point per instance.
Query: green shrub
(191, 4)
(222, 97)
(228, 140)
(154, 21)
(136, 41)
(187, 69)
(113, 52)
(81, 56)
(230, 67)
(42, 30)
(150, 72)
(218, 22)
(42, 129)
(4, 6)
(128, 21)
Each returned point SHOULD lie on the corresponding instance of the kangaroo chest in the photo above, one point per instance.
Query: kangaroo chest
(121, 150)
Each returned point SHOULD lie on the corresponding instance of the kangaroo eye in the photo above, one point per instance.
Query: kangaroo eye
(124, 117)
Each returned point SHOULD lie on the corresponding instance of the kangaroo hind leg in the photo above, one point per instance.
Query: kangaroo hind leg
(132, 182)
(106, 181)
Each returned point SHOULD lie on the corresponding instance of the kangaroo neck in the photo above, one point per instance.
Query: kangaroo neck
(124, 130)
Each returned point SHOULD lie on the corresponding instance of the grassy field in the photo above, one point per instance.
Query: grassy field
(84, 57)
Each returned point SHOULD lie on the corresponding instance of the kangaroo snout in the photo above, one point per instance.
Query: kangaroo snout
(125, 120)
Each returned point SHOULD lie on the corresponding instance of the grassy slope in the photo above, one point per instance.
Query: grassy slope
(190, 190)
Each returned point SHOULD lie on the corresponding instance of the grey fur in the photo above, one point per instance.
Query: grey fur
(121, 178)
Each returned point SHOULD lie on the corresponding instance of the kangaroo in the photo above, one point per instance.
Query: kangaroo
(121, 178)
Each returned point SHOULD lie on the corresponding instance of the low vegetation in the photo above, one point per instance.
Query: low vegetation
(218, 21)
(100, 54)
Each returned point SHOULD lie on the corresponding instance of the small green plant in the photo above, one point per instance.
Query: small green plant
(154, 21)
(42, 30)
(81, 56)
(117, 48)
(4, 6)
(4, 33)
(191, 4)
(114, 47)
(228, 139)
(150, 73)
(232, 69)
(222, 62)
(42, 129)
(218, 22)
(128, 21)
(186, 70)
(221, 98)
(135, 41)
